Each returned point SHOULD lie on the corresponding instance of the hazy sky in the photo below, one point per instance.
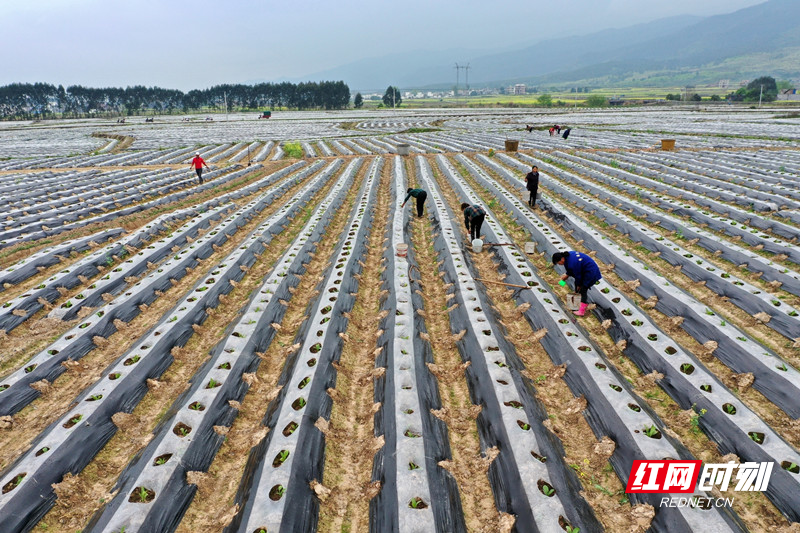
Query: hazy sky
(184, 45)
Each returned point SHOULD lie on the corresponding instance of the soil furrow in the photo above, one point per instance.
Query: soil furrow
(349, 442)
(468, 465)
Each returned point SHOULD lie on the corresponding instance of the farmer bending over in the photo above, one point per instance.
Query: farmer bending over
(198, 164)
(420, 195)
(583, 270)
(473, 219)
(532, 184)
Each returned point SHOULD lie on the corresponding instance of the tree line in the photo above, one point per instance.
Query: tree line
(44, 100)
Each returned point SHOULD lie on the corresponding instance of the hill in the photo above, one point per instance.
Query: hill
(669, 51)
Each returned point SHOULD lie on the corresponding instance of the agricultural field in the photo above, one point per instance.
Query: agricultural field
(250, 354)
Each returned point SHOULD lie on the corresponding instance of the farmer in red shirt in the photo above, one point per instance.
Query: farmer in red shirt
(198, 164)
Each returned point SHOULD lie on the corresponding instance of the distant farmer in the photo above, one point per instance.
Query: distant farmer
(566, 132)
(583, 270)
(557, 128)
(420, 195)
(532, 184)
(529, 128)
(473, 219)
(552, 130)
(198, 164)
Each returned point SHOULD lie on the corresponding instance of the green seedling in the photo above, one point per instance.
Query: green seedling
(142, 494)
(413, 466)
(161, 460)
(548, 490)
(652, 431)
(571, 529)
(417, 503)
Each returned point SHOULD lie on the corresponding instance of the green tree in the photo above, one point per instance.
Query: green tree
(696, 98)
(715, 98)
(358, 101)
(545, 100)
(753, 91)
(391, 98)
(784, 85)
(596, 100)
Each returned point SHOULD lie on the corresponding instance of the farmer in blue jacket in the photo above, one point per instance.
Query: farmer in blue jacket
(583, 270)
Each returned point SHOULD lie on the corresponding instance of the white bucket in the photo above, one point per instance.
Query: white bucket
(477, 245)
(530, 247)
(401, 249)
(573, 301)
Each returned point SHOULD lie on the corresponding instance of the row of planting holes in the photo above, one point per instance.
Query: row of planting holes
(181, 429)
(653, 433)
(686, 368)
(544, 487)
(277, 491)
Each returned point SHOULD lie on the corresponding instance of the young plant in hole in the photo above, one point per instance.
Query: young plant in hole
(548, 490)
(414, 466)
(280, 458)
(142, 494)
(417, 503)
(651, 432)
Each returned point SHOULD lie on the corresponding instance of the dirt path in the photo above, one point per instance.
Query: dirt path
(349, 442)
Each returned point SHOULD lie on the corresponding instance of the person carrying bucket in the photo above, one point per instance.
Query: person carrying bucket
(532, 184)
(583, 270)
(473, 219)
(420, 195)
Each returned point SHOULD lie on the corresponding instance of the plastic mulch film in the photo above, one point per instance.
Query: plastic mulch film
(277, 497)
(773, 377)
(609, 396)
(15, 391)
(415, 440)
(737, 255)
(31, 265)
(163, 465)
(74, 440)
(516, 475)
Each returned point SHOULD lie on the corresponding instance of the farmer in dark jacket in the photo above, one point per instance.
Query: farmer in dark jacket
(532, 184)
(420, 195)
(583, 270)
(473, 219)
